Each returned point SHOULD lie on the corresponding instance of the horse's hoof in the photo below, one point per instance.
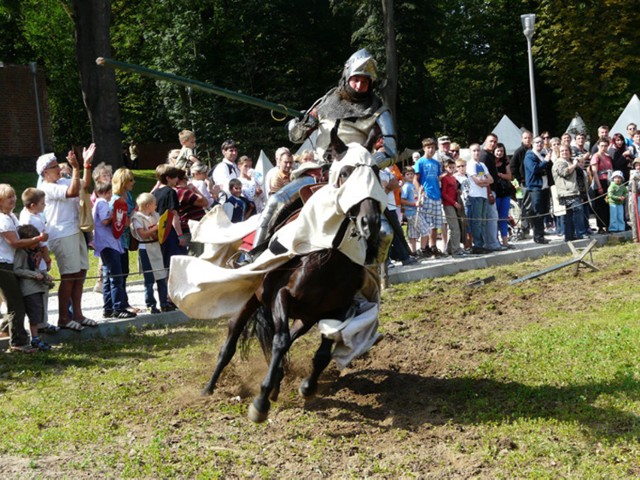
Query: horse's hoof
(306, 391)
(206, 392)
(255, 416)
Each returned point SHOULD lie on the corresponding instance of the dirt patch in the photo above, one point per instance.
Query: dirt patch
(407, 408)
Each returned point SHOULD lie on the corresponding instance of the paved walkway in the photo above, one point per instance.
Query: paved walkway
(92, 308)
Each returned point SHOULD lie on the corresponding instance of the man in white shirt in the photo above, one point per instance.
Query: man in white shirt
(227, 168)
(480, 179)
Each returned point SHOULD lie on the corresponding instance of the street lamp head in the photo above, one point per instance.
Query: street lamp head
(528, 24)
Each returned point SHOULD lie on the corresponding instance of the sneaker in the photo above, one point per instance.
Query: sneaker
(409, 261)
(124, 314)
(168, 308)
(48, 328)
(107, 314)
(40, 345)
(152, 310)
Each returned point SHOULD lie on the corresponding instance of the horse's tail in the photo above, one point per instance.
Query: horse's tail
(261, 326)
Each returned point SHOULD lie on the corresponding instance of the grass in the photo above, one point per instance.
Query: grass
(145, 180)
(541, 380)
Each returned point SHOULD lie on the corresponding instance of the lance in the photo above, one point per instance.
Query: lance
(197, 85)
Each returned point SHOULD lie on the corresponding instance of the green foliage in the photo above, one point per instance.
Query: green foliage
(48, 30)
(230, 45)
(462, 64)
(587, 51)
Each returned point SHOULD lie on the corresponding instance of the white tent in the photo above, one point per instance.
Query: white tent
(309, 143)
(508, 134)
(631, 114)
(263, 165)
(576, 126)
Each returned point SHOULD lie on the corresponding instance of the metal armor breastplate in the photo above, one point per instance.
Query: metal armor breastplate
(350, 130)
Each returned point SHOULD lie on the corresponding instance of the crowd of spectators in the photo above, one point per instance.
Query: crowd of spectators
(466, 204)
(156, 224)
(549, 187)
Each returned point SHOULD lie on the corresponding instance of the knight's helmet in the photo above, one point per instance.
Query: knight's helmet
(360, 63)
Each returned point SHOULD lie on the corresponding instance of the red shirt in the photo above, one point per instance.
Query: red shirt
(187, 208)
(449, 190)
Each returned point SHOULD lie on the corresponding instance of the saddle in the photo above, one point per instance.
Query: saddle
(247, 253)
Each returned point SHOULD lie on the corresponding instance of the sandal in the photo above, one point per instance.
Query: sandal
(87, 322)
(22, 348)
(71, 325)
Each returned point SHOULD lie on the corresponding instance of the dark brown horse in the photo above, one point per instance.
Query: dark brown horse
(307, 288)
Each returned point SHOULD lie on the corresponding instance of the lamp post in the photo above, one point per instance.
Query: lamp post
(34, 71)
(528, 26)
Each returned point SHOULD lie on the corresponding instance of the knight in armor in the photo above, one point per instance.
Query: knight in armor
(362, 118)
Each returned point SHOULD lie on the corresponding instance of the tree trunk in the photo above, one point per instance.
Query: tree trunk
(390, 90)
(92, 19)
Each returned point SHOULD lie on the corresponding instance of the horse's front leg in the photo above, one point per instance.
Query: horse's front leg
(228, 350)
(259, 408)
(309, 386)
(297, 330)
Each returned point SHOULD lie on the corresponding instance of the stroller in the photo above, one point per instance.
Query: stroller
(514, 221)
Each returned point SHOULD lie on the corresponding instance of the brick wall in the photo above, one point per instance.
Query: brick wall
(19, 138)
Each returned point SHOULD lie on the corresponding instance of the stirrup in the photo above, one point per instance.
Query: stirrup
(239, 259)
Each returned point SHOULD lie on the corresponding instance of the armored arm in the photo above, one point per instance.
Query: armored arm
(387, 152)
(300, 128)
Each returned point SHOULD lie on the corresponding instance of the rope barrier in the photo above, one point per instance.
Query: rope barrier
(523, 217)
(93, 277)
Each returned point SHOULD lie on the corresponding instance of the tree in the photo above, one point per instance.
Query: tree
(390, 92)
(92, 19)
(587, 51)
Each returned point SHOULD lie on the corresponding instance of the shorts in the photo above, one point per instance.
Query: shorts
(417, 227)
(71, 253)
(431, 212)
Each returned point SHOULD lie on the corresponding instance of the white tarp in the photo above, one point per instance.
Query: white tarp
(631, 114)
(508, 134)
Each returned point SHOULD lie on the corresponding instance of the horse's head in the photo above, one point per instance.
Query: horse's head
(365, 213)
(337, 148)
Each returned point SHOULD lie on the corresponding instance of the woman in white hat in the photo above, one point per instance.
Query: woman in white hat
(66, 240)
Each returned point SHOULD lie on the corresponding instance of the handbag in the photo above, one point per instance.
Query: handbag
(85, 214)
(134, 243)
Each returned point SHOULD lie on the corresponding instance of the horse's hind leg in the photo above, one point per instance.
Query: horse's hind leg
(309, 386)
(259, 408)
(228, 350)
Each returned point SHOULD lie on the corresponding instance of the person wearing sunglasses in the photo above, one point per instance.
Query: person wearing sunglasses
(632, 128)
(455, 151)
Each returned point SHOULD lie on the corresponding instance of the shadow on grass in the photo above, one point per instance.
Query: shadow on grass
(410, 401)
(97, 350)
